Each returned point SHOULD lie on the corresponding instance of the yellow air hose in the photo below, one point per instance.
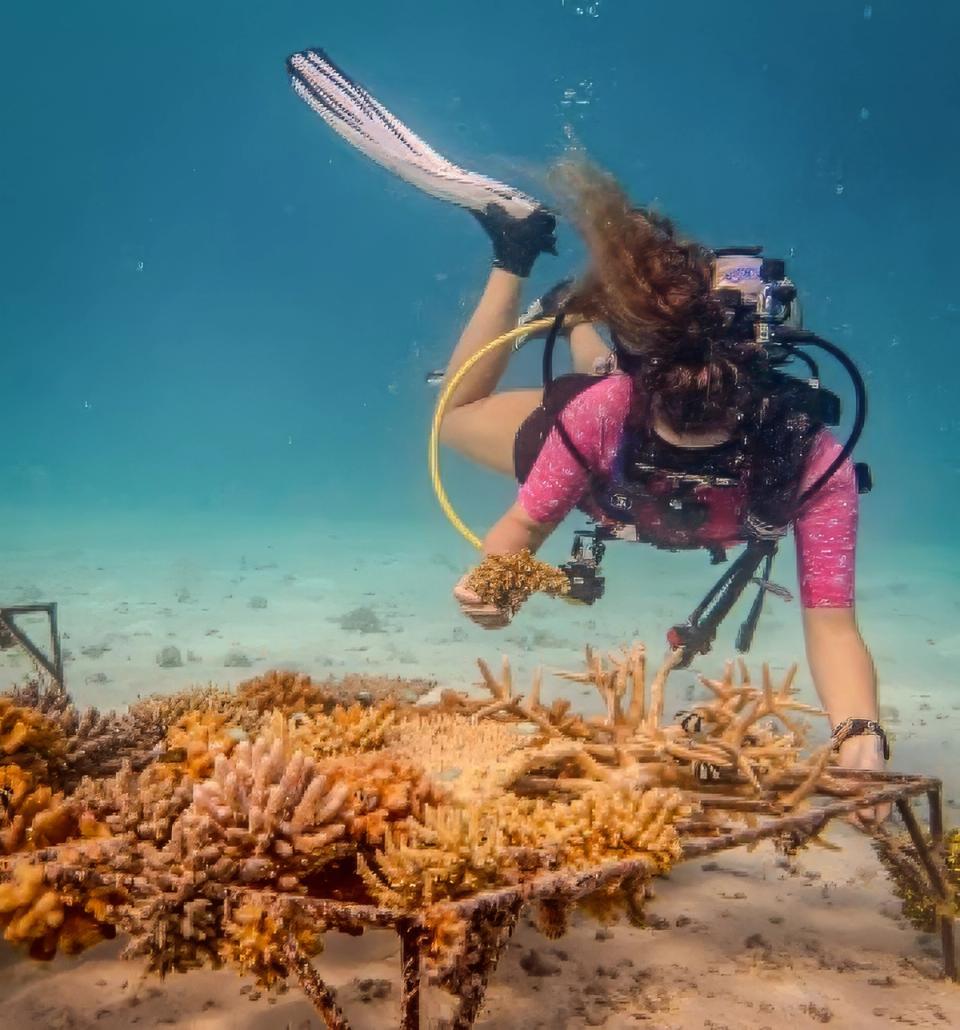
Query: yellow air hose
(433, 453)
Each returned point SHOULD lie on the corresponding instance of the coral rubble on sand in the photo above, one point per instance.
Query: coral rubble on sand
(189, 822)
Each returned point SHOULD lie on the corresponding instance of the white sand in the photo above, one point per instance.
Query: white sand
(127, 591)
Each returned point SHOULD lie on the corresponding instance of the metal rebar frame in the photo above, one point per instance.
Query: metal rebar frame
(11, 633)
(492, 915)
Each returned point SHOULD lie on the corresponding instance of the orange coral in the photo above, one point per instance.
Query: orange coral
(286, 691)
(48, 919)
(254, 941)
(345, 730)
(29, 739)
(35, 816)
(196, 740)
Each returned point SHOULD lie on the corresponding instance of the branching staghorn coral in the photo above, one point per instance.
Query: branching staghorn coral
(472, 759)
(284, 789)
(507, 580)
(345, 730)
(454, 852)
(285, 691)
(738, 735)
(296, 693)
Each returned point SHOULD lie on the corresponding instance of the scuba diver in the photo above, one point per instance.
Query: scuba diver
(688, 433)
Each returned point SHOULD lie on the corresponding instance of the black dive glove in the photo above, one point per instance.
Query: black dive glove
(517, 242)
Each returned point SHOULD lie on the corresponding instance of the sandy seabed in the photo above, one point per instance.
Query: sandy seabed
(744, 940)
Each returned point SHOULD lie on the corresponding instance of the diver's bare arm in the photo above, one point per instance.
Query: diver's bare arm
(512, 533)
(846, 680)
(516, 531)
(496, 312)
(587, 347)
(842, 669)
(844, 675)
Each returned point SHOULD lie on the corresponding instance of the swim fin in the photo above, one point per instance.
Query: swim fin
(367, 125)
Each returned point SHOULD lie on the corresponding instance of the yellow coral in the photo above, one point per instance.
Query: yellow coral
(507, 580)
(453, 851)
(254, 940)
(277, 787)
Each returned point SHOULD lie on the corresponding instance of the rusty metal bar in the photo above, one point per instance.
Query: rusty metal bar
(935, 803)
(53, 665)
(885, 777)
(948, 945)
(410, 941)
(320, 995)
(923, 850)
(487, 937)
(326, 909)
(733, 804)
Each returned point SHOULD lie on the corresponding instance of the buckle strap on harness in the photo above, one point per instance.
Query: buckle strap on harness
(696, 635)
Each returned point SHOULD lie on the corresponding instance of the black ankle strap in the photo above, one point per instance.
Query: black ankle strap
(857, 728)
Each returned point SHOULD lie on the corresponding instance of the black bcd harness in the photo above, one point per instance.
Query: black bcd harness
(766, 462)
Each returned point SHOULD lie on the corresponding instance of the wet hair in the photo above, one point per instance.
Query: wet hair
(653, 290)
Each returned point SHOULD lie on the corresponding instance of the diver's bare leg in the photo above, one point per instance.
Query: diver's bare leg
(479, 424)
(496, 313)
(484, 430)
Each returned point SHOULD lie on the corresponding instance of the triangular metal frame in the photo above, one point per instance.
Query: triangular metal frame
(11, 633)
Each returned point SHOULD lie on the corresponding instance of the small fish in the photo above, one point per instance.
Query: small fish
(435, 378)
(773, 588)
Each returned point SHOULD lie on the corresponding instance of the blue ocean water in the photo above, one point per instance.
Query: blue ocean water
(216, 320)
(212, 309)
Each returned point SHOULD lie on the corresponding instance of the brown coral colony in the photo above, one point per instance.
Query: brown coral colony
(223, 800)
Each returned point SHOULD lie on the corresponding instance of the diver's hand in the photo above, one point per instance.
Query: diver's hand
(486, 615)
(865, 752)
(518, 242)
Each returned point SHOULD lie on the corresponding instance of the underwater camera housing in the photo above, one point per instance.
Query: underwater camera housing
(756, 293)
(583, 570)
(761, 304)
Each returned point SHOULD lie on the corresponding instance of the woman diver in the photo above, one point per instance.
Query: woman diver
(687, 391)
(690, 438)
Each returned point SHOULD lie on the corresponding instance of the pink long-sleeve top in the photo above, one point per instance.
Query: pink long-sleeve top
(826, 529)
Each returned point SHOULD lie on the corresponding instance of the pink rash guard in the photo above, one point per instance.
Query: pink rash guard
(826, 530)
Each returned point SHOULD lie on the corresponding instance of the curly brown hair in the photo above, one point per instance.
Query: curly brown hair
(653, 290)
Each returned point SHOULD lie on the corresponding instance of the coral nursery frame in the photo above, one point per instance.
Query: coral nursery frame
(493, 914)
(210, 845)
(11, 635)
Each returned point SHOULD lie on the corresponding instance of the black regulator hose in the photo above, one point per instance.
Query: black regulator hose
(550, 345)
(805, 338)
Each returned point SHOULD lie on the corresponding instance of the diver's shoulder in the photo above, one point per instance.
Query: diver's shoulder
(613, 386)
